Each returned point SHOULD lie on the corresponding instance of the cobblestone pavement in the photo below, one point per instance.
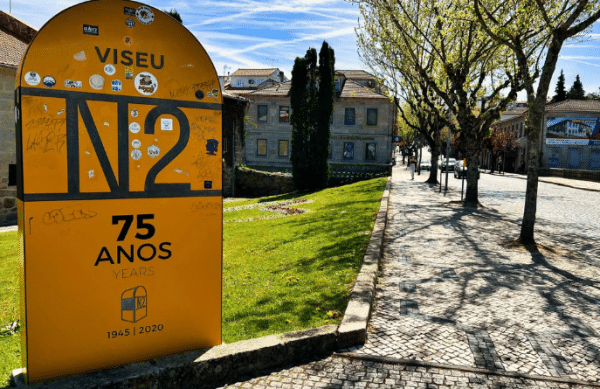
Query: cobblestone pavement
(459, 304)
(456, 290)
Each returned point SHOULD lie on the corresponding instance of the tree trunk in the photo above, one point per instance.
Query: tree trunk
(535, 119)
(435, 156)
(472, 193)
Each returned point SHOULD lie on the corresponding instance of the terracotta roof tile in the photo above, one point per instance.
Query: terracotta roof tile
(353, 90)
(356, 74)
(253, 72)
(11, 50)
(280, 89)
(574, 106)
(17, 27)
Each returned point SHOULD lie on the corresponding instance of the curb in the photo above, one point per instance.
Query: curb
(541, 179)
(204, 368)
(475, 370)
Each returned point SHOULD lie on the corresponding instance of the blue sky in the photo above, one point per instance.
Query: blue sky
(272, 33)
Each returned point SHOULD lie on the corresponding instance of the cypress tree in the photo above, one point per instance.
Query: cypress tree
(324, 112)
(299, 119)
(576, 92)
(560, 91)
(312, 108)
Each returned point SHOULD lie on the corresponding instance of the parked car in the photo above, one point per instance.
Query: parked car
(425, 165)
(451, 163)
(461, 171)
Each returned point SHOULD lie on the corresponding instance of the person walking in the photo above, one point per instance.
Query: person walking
(412, 164)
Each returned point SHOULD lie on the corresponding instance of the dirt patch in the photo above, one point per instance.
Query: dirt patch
(286, 210)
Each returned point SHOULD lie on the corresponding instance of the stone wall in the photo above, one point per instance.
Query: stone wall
(8, 210)
(255, 183)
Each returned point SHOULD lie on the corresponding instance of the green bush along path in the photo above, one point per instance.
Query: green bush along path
(289, 263)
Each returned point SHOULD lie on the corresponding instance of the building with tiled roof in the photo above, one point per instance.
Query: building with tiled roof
(570, 138)
(244, 81)
(361, 131)
(15, 36)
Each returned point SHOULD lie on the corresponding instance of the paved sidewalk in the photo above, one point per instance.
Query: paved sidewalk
(572, 183)
(456, 291)
(460, 305)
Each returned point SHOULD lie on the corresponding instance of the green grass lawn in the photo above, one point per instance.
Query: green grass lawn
(289, 263)
(10, 345)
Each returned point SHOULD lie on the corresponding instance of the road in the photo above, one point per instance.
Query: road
(572, 211)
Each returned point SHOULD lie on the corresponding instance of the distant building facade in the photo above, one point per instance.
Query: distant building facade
(15, 35)
(361, 131)
(250, 79)
(570, 138)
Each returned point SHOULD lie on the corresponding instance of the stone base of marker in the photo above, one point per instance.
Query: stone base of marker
(204, 368)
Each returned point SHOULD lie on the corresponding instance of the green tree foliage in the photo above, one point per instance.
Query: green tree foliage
(438, 42)
(174, 14)
(312, 98)
(576, 92)
(534, 31)
(560, 91)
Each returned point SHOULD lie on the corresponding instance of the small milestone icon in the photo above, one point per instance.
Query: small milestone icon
(134, 304)
(212, 146)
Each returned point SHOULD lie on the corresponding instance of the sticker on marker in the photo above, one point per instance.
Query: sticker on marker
(127, 40)
(49, 81)
(109, 69)
(146, 83)
(129, 11)
(136, 143)
(129, 72)
(88, 29)
(135, 127)
(130, 23)
(32, 78)
(144, 15)
(136, 154)
(153, 151)
(213, 93)
(116, 85)
(212, 146)
(73, 84)
(134, 113)
(166, 124)
(80, 56)
(97, 82)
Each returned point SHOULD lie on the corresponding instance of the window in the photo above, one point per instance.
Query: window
(261, 147)
(350, 116)
(348, 151)
(521, 131)
(371, 116)
(595, 159)
(371, 152)
(338, 85)
(262, 113)
(284, 148)
(284, 114)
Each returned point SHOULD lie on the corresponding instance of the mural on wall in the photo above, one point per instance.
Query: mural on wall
(573, 131)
